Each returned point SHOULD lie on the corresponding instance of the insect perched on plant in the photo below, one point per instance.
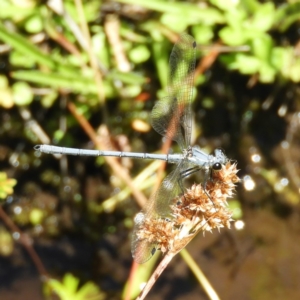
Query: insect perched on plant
(173, 215)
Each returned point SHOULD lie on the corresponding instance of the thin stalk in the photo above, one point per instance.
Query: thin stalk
(160, 268)
(209, 290)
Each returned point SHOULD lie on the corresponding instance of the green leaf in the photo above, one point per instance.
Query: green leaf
(6, 97)
(6, 242)
(19, 59)
(6, 185)
(281, 57)
(22, 93)
(24, 46)
(17, 13)
(175, 22)
(68, 289)
(100, 48)
(77, 82)
(233, 36)
(285, 61)
(262, 46)
(89, 291)
(71, 283)
(235, 18)
(203, 34)
(246, 64)
(58, 135)
(186, 12)
(36, 216)
(131, 91)
(139, 54)
(251, 6)
(264, 17)
(266, 73)
(287, 14)
(48, 99)
(294, 71)
(3, 82)
(34, 24)
(128, 77)
(90, 8)
(161, 59)
(224, 4)
(59, 289)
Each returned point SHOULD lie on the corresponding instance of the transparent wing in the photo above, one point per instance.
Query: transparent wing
(171, 116)
(158, 206)
(168, 191)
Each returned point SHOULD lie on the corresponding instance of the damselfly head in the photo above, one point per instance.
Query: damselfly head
(217, 166)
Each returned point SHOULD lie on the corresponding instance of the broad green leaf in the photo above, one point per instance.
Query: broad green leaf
(264, 17)
(139, 54)
(131, 91)
(71, 283)
(19, 59)
(233, 36)
(294, 71)
(251, 6)
(68, 289)
(89, 291)
(59, 289)
(3, 82)
(175, 22)
(6, 97)
(22, 93)
(266, 73)
(281, 57)
(6, 242)
(8, 10)
(235, 18)
(34, 24)
(6, 185)
(262, 46)
(48, 99)
(224, 4)
(58, 135)
(36, 216)
(203, 34)
(246, 64)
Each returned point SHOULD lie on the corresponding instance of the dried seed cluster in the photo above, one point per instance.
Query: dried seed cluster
(200, 208)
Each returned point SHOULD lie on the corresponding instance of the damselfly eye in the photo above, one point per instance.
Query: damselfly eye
(217, 167)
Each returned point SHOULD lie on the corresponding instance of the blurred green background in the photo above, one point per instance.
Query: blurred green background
(86, 74)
